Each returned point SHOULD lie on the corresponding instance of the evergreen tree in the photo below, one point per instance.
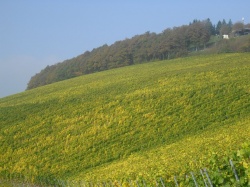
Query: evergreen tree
(218, 27)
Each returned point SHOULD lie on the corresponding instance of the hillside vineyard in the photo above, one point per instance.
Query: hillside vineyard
(142, 121)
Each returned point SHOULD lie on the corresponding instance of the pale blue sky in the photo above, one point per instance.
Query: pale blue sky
(37, 33)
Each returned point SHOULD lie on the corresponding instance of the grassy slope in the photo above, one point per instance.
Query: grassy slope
(148, 119)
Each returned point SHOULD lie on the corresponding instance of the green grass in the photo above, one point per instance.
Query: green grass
(138, 121)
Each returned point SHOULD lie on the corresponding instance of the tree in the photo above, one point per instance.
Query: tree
(247, 26)
(218, 27)
(210, 27)
(224, 22)
(199, 33)
(230, 24)
(207, 31)
(225, 29)
(238, 26)
(167, 43)
(180, 40)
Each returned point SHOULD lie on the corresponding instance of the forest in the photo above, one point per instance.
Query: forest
(170, 43)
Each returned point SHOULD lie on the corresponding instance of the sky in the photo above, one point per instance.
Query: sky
(34, 34)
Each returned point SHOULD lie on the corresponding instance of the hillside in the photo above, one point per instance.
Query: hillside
(145, 120)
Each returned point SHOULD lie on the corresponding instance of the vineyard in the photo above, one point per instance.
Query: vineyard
(220, 171)
(147, 122)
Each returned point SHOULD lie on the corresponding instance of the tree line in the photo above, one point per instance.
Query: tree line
(171, 43)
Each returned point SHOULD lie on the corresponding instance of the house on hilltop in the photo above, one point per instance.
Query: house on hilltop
(225, 36)
(241, 32)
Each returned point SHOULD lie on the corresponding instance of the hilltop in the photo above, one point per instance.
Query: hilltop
(146, 120)
(172, 43)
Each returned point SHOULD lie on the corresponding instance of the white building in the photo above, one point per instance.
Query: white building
(225, 36)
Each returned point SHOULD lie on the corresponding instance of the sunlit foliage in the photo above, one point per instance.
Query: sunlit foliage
(147, 120)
